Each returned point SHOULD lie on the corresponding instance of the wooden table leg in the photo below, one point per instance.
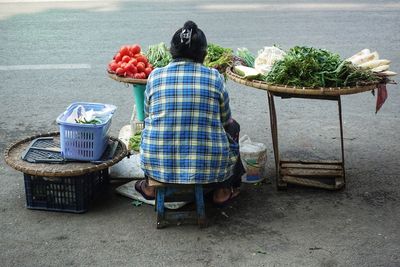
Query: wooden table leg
(274, 132)
(341, 181)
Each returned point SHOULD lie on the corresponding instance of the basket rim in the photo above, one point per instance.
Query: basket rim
(46, 169)
(126, 80)
(287, 89)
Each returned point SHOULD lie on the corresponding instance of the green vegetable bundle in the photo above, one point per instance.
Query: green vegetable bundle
(218, 57)
(246, 57)
(158, 55)
(311, 67)
(84, 121)
(134, 141)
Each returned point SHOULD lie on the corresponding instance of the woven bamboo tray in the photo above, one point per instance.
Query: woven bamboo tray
(126, 80)
(285, 89)
(12, 156)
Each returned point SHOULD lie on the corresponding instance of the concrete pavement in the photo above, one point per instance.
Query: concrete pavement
(357, 226)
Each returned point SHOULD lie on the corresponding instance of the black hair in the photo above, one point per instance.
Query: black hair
(189, 42)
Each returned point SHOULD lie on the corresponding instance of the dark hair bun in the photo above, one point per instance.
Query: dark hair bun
(190, 25)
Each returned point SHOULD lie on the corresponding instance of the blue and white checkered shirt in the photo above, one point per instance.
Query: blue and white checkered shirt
(184, 142)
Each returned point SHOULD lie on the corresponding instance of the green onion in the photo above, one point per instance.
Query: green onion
(158, 55)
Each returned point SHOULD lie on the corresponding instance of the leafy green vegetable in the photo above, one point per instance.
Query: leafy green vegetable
(218, 57)
(84, 121)
(246, 56)
(311, 67)
(158, 55)
(134, 141)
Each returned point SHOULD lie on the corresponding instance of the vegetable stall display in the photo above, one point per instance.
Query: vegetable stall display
(310, 67)
(311, 73)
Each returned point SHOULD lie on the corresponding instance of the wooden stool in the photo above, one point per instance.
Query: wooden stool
(177, 193)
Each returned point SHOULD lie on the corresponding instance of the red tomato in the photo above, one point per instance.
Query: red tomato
(140, 66)
(147, 71)
(127, 68)
(126, 59)
(133, 61)
(113, 65)
(124, 50)
(135, 49)
(142, 75)
(133, 69)
(129, 74)
(149, 65)
(142, 58)
(118, 57)
(137, 76)
(120, 71)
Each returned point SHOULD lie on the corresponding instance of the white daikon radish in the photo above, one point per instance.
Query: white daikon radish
(365, 58)
(388, 73)
(380, 68)
(365, 51)
(374, 63)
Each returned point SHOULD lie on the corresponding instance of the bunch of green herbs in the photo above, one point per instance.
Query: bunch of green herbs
(311, 67)
(218, 57)
(83, 120)
(246, 56)
(134, 141)
(158, 55)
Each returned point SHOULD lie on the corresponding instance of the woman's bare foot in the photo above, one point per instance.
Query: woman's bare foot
(148, 192)
(223, 195)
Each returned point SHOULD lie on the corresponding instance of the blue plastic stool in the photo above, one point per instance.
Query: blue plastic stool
(176, 193)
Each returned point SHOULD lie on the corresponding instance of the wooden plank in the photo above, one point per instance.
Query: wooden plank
(311, 172)
(334, 162)
(308, 182)
(312, 166)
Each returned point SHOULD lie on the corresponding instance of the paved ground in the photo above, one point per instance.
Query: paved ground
(357, 226)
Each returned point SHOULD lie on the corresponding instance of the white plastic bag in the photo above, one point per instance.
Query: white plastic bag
(254, 159)
(77, 112)
(80, 113)
(267, 57)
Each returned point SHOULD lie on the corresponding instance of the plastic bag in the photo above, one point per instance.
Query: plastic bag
(81, 114)
(254, 159)
(267, 57)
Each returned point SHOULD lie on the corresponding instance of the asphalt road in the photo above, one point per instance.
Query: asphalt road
(55, 53)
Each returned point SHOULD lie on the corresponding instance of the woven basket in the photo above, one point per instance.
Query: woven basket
(12, 156)
(126, 80)
(286, 89)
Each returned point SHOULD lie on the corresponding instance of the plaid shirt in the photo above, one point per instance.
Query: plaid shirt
(184, 142)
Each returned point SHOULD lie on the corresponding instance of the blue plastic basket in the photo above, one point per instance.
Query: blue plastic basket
(84, 141)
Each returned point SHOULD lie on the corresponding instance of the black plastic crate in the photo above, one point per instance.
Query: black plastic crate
(68, 194)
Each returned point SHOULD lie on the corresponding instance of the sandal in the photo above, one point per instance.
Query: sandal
(139, 187)
(232, 195)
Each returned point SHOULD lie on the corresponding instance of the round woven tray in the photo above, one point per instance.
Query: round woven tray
(126, 80)
(286, 89)
(12, 156)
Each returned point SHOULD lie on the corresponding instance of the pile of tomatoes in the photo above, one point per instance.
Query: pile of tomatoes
(130, 63)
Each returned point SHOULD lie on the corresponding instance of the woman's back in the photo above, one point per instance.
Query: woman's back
(184, 140)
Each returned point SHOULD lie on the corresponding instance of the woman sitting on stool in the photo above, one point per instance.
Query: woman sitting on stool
(189, 135)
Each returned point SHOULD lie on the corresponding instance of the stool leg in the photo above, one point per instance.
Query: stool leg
(201, 214)
(160, 195)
